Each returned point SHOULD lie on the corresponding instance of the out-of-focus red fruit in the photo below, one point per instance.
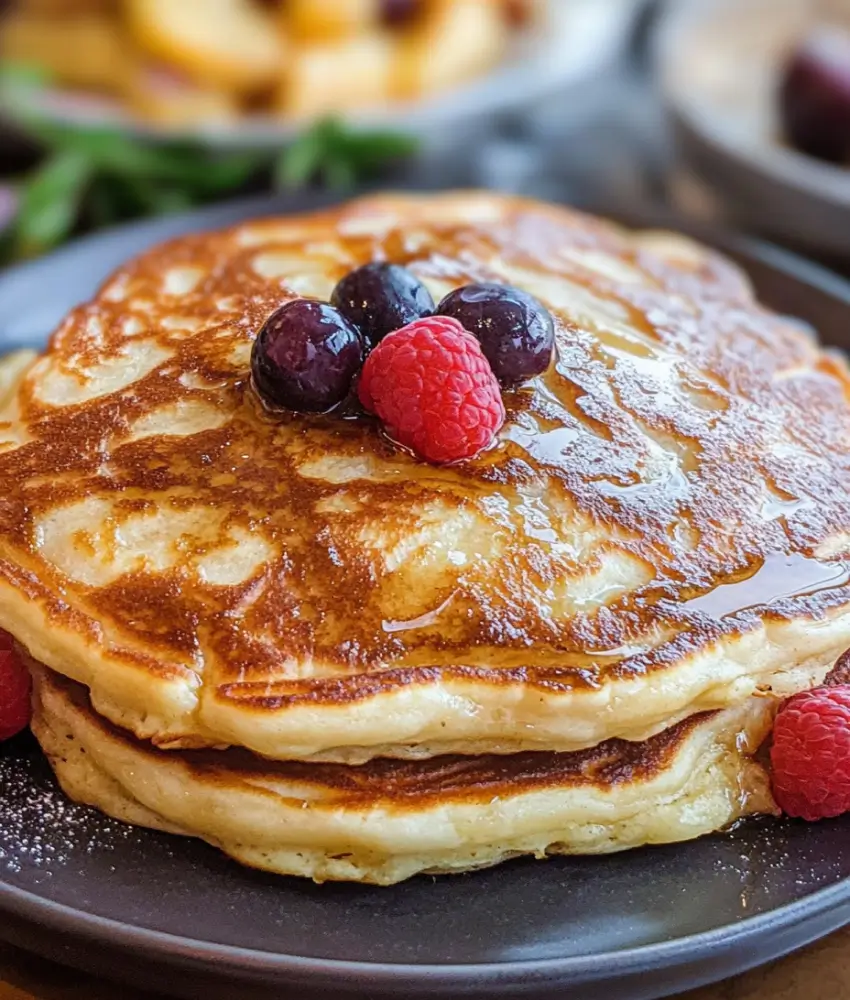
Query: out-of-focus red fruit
(814, 95)
(15, 706)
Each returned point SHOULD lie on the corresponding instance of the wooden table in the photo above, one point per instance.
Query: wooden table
(821, 972)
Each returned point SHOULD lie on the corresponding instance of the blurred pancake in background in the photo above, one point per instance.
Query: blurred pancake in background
(203, 63)
(171, 61)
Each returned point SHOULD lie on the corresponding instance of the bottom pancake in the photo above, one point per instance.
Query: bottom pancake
(388, 820)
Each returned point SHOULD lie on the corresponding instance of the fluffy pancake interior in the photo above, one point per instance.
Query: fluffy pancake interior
(388, 820)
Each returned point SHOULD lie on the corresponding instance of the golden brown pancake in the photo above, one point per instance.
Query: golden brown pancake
(658, 531)
(387, 820)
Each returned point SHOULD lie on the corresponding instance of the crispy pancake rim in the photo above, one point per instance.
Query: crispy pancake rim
(389, 819)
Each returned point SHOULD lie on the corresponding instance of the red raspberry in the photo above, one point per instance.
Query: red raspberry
(810, 755)
(431, 385)
(15, 708)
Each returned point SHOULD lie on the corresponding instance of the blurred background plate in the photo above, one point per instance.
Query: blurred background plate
(720, 67)
(565, 43)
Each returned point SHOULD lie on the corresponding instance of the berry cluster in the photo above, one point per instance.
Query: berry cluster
(432, 374)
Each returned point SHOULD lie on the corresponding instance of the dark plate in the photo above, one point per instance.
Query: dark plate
(174, 915)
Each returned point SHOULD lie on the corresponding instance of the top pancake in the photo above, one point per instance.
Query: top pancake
(658, 531)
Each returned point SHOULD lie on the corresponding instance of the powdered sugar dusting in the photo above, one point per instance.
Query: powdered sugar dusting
(40, 828)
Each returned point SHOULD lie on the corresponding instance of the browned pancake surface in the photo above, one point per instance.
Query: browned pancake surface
(685, 439)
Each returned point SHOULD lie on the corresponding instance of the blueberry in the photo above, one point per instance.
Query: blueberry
(379, 298)
(516, 331)
(305, 357)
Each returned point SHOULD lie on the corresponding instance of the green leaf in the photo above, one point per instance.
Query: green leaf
(340, 174)
(226, 173)
(152, 198)
(377, 148)
(298, 163)
(103, 205)
(339, 155)
(23, 75)
(50, 202)
(108, 176)
(57, 136)
(195, 168)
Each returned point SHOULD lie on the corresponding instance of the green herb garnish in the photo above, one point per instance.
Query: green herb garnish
(341, 157)
(98, 176)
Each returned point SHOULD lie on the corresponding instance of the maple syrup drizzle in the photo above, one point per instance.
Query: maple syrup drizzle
(779, 577)
(421, 621)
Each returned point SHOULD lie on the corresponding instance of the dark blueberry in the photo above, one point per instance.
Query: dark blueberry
(396, 13)
(305, 357)
(515, 330)
(814, 96)
(379, 298)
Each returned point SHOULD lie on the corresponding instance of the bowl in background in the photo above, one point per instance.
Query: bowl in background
(719, 65)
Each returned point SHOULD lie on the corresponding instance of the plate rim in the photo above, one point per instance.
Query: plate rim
(51, 915)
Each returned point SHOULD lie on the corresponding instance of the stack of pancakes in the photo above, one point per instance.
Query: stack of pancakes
(283, 635)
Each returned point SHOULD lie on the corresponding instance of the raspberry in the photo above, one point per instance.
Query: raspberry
(15, 706)
(810, 755)
(431, 385)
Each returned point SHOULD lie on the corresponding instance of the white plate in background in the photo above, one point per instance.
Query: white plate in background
(719, 64)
